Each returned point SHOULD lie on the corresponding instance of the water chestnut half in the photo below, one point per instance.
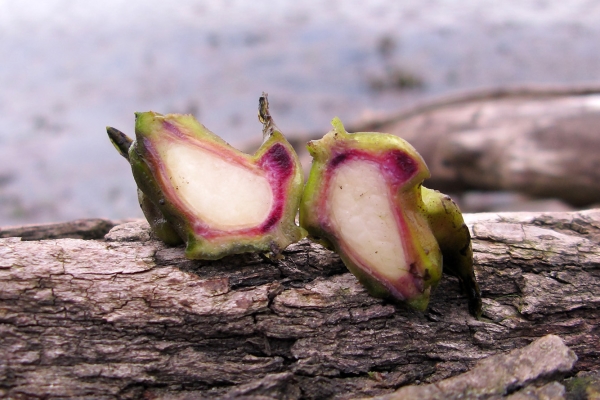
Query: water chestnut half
(364, 198)
(194, 187)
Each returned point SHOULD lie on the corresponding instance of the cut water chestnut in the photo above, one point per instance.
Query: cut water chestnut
(194, 187)
(364, 198)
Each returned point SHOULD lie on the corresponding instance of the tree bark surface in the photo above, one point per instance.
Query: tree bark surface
(127, 317)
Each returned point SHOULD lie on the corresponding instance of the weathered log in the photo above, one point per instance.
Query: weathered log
(128, 317)
(94, 228)
(538, 141)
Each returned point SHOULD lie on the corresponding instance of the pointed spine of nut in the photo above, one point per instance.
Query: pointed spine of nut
(219, 200)
(363, 198)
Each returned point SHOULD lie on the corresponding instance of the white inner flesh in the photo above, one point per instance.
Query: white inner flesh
(221, 193)
(363, 216)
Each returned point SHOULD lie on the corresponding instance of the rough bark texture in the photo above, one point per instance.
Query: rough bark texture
(537, 141)
(128, 317)
(498, 375)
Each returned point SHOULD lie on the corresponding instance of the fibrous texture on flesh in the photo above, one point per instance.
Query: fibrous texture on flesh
(196, 188)
(365, 199)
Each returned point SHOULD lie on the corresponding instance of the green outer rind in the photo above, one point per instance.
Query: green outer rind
(451, 232)
(158, 223)
(197, 247)
(309, 219)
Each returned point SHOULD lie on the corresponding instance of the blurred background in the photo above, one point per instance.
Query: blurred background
(70, 68)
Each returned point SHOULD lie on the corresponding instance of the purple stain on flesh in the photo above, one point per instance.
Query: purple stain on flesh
(337, 160)
(400, 166)
(279, 163)
(278, 160)
(273, 218)
(172, 129)
(405, 163)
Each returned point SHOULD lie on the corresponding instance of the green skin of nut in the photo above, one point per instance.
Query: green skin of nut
(174, 225)
(454, 239)
(436, 214)
(159, 225)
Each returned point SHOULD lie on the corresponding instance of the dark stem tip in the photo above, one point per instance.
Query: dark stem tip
(121, 141)
(263, 114)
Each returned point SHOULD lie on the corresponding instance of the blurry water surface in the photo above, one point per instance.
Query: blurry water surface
(69, 68)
